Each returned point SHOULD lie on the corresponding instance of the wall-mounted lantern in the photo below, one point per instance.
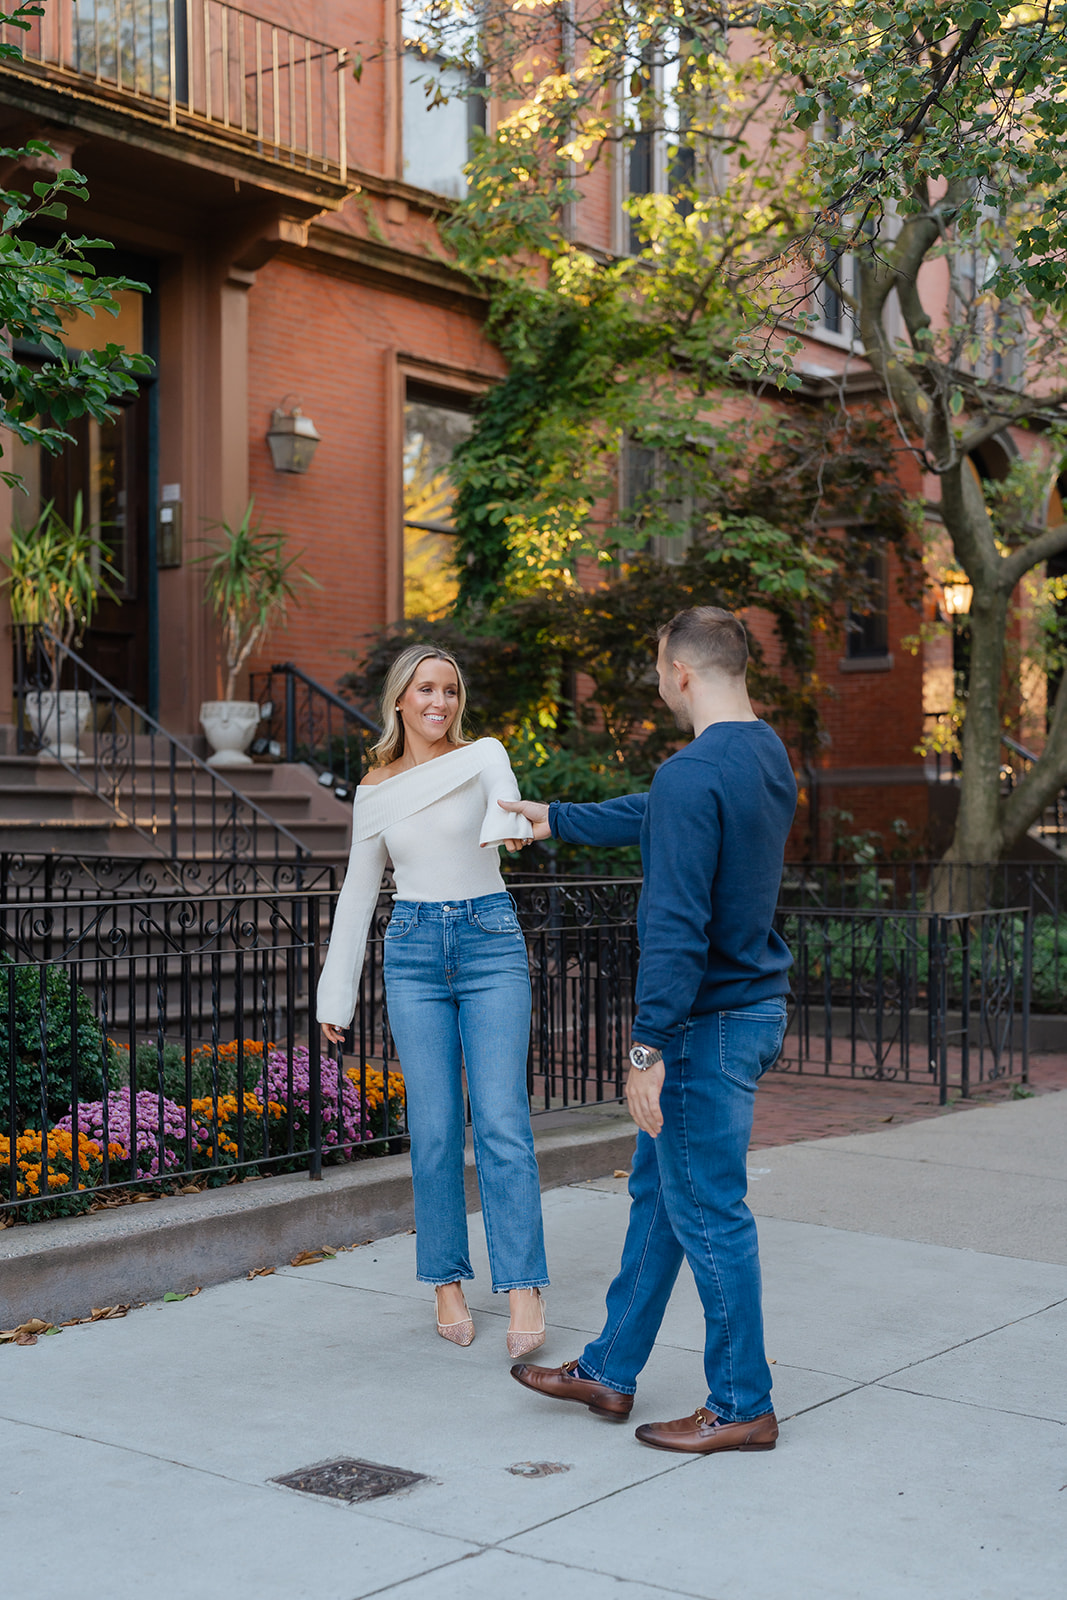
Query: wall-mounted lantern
(957, 597)
(293, 439)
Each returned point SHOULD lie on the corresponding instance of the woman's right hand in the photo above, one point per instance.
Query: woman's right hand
(333, 1035)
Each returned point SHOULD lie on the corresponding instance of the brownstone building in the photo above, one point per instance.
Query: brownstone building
(281, 214)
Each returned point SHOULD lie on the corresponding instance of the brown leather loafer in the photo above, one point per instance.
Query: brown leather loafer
(703, 1433)
(564, 1383)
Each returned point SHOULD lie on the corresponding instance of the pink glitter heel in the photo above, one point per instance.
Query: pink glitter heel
(523, 1344)
(461, 1333)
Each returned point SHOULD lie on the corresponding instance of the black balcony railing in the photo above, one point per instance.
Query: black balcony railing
(201, 65)
(149, 1043)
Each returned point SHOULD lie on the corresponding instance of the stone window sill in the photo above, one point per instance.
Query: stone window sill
(866, 663)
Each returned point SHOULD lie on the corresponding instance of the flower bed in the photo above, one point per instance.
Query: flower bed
(152, 1136)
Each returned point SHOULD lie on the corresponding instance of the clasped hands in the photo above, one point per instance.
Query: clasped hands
(535, 813)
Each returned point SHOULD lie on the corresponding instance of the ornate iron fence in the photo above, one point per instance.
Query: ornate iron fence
(168, 1041)
(906, 997)
(39, 876)
(1038, 886)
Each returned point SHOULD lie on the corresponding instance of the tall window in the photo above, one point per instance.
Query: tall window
(439, 134)
(130, 44)
(650, 485)
(434, 424)
(657, 157)
(867, 630)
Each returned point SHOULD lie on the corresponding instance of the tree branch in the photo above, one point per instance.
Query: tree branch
(1019, 562)
(1044, 780)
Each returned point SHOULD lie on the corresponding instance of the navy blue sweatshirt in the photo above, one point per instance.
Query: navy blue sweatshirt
(712, 832)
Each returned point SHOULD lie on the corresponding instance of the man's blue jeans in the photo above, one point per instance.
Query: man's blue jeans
(687, 1194)
(458, 989)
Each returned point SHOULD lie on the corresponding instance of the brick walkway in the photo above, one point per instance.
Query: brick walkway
(792, 1108)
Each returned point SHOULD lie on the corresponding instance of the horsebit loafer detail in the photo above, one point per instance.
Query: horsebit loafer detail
(564, 1383)
(703, 1433)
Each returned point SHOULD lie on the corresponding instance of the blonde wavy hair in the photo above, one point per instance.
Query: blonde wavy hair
(397, 682)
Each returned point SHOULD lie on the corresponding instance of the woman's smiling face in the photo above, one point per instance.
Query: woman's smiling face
(430, 703)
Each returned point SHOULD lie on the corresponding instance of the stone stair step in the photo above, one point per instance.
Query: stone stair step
(43, 806)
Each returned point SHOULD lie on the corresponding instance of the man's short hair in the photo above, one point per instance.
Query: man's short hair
(708, 639)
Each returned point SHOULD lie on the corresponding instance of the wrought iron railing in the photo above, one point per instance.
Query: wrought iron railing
(907, 997)
(30, 877)
(148, 1043)
(149, 779)
(204, 65)
(305, 721)
(1038, 886)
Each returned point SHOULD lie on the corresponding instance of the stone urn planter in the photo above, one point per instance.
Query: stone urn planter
(229, 726)
(58, 720)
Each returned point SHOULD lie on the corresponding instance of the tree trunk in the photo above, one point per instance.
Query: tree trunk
(978, 836)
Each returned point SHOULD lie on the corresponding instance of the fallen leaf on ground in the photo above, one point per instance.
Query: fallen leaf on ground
(306, 1258)
(190, 1188)
(887, 1119)
(26, 1332)
(261, 1272)
(104, 1313)
(137, 1198)
(170, 1297)
(620, 1172)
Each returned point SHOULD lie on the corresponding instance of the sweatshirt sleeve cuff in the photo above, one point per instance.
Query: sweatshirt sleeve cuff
(658, 1038)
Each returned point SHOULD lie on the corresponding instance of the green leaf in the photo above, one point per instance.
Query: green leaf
(170, 1297)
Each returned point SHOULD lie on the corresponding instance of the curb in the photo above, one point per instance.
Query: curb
(64, 1268)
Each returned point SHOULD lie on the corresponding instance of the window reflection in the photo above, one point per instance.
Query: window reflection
(438, 136)
(433, 428)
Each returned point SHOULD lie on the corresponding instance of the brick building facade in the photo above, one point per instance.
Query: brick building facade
(282, 214)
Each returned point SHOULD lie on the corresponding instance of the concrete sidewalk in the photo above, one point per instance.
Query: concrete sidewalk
(916, 1297)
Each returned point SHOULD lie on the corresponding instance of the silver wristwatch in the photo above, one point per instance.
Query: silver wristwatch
(643, 1056)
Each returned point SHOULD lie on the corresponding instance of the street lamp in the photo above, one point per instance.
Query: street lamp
(293, 439)
(957, 596)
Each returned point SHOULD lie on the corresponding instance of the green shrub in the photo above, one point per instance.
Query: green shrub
(53, 1084)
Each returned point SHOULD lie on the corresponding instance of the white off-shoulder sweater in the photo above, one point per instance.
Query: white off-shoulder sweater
(431, 822)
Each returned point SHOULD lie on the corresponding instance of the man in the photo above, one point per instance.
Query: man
(710, 1020)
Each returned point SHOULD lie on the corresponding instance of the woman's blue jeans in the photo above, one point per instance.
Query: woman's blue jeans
(687, 1194)
(458, 991)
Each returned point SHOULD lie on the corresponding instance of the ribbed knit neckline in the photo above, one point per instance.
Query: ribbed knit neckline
(380, 805)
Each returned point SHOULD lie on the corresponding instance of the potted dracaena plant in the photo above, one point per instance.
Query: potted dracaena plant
(249, 582)
(57, 574)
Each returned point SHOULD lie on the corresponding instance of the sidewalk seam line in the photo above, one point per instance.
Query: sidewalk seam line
(976, 1405)
(974, 1339)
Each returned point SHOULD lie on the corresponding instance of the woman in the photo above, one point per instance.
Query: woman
(457, 984)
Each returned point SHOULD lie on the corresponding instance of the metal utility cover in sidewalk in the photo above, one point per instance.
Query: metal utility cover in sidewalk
(350, 1480)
